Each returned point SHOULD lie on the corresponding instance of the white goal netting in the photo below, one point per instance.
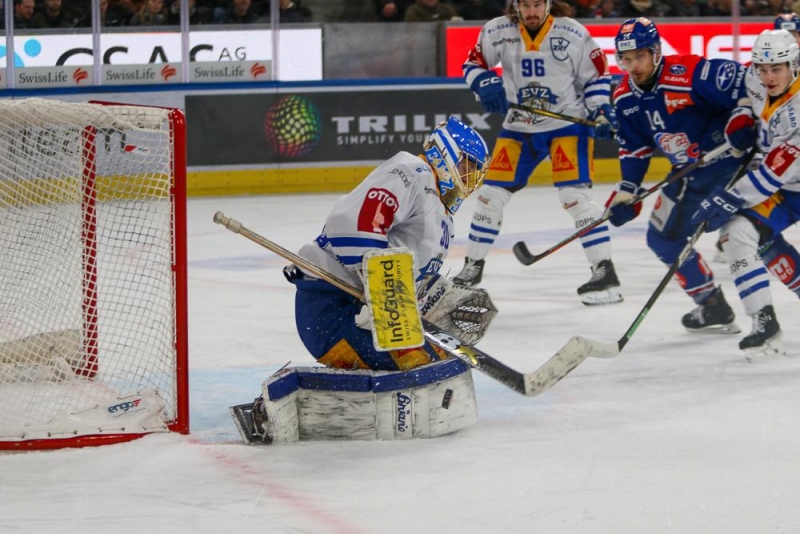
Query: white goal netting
(88, 307)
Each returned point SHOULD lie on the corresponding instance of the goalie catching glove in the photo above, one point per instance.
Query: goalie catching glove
(462, 311)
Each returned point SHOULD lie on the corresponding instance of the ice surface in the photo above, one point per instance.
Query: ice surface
(677, 434)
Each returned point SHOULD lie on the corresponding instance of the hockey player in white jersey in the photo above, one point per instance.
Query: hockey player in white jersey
(549, 62)
(753, 213)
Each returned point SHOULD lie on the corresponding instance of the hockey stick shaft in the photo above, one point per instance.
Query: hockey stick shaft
(678, 262)
(525, 256)
(529, 384)
(553, 115)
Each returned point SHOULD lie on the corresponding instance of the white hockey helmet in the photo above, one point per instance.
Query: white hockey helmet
(459, 157)
(777, 46)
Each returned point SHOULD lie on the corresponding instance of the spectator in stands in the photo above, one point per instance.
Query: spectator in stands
(608, 10)
(197, 15)
(292, 11)
(642, 8)
(55, 16)
(776, 7)
(722, 8)
(480, 9)
(431, 11)
(152, 13)
(241, 12)
(23, 15)
(391, 10)
(109, 17)
(686, 8)
(567, 9)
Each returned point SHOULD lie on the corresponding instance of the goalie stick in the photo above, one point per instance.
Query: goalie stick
(530, 384)
(611, 350)
(553, 115)
(525, 256)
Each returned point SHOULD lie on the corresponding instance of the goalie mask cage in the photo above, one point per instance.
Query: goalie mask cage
(93, 328)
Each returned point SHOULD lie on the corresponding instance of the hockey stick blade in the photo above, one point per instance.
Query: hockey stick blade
(530, 384)
(526, 258)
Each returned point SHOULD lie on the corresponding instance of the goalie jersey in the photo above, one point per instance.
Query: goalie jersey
(683, 115)
(397, 205)
(778, 139)
(562, 70)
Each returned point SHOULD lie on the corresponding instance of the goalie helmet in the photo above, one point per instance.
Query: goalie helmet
(459, 157)
(788, 21)
(638, 33)
(777, 46)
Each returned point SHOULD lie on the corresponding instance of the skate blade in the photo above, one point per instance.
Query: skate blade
(716, 329)
(773, 347)
(241, 414)
(599, 298)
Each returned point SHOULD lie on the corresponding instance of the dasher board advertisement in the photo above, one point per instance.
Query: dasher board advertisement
(713, 40)
(300, 50)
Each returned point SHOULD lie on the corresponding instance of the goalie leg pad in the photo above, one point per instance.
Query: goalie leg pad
(317, 403)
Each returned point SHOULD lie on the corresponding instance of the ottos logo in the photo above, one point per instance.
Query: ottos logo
(168, 72)
(780, 159)
(257, 70)
(79, 75)
(377, 211)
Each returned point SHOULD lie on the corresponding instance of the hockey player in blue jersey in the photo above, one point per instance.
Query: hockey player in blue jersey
(684, 106)
(789, 22)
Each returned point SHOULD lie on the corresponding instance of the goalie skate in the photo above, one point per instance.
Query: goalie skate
(603, 287)
(765, 337)
(714, 316)
(249, 419)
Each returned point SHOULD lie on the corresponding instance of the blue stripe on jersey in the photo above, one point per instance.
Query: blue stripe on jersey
(603, 80)
(350, 260)
(466, 68)
(363, 242)
(777, 184)
(483, 229)
(752, 289)
(757, 183)
(752, 274)
(598, 92)
(481, 239)
(600, 229)
(595, 242)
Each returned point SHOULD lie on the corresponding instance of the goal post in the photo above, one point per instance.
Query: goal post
(93, 286)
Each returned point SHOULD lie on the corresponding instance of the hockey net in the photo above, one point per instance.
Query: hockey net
(93, 339)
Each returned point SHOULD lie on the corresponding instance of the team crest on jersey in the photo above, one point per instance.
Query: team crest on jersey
(559, 47)
(677, 69)
(677, 147)
(534, 91)
(726, 75)
(676, 101)
(377, 211)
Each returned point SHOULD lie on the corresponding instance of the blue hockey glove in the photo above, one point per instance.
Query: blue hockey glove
(619, 211)
(718, 208)
(605, 119)
(740, 131)
(489, 88)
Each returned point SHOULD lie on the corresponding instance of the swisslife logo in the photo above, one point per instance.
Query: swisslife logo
(168, 71)
(258, 69)
(80, 75)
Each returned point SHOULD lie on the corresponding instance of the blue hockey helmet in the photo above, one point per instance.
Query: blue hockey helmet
(459, 157)
(788, 21)
(638, 33)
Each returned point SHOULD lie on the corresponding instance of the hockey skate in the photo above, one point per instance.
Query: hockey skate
(471, 274)
(714, 316)
(765, 337)
(603, 287)
(250, 420)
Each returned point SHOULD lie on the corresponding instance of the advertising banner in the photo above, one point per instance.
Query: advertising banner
(300, 51)
(711, 40)
(36, 77)
(344, 124)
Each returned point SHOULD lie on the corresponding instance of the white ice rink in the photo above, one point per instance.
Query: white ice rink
(677, 434)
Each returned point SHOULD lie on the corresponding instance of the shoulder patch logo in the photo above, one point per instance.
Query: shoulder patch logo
(559, 47)
(780, 159)
(677, 69)
(377, 211)
(725, 75)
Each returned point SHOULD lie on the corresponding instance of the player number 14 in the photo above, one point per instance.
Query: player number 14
(656, 122)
